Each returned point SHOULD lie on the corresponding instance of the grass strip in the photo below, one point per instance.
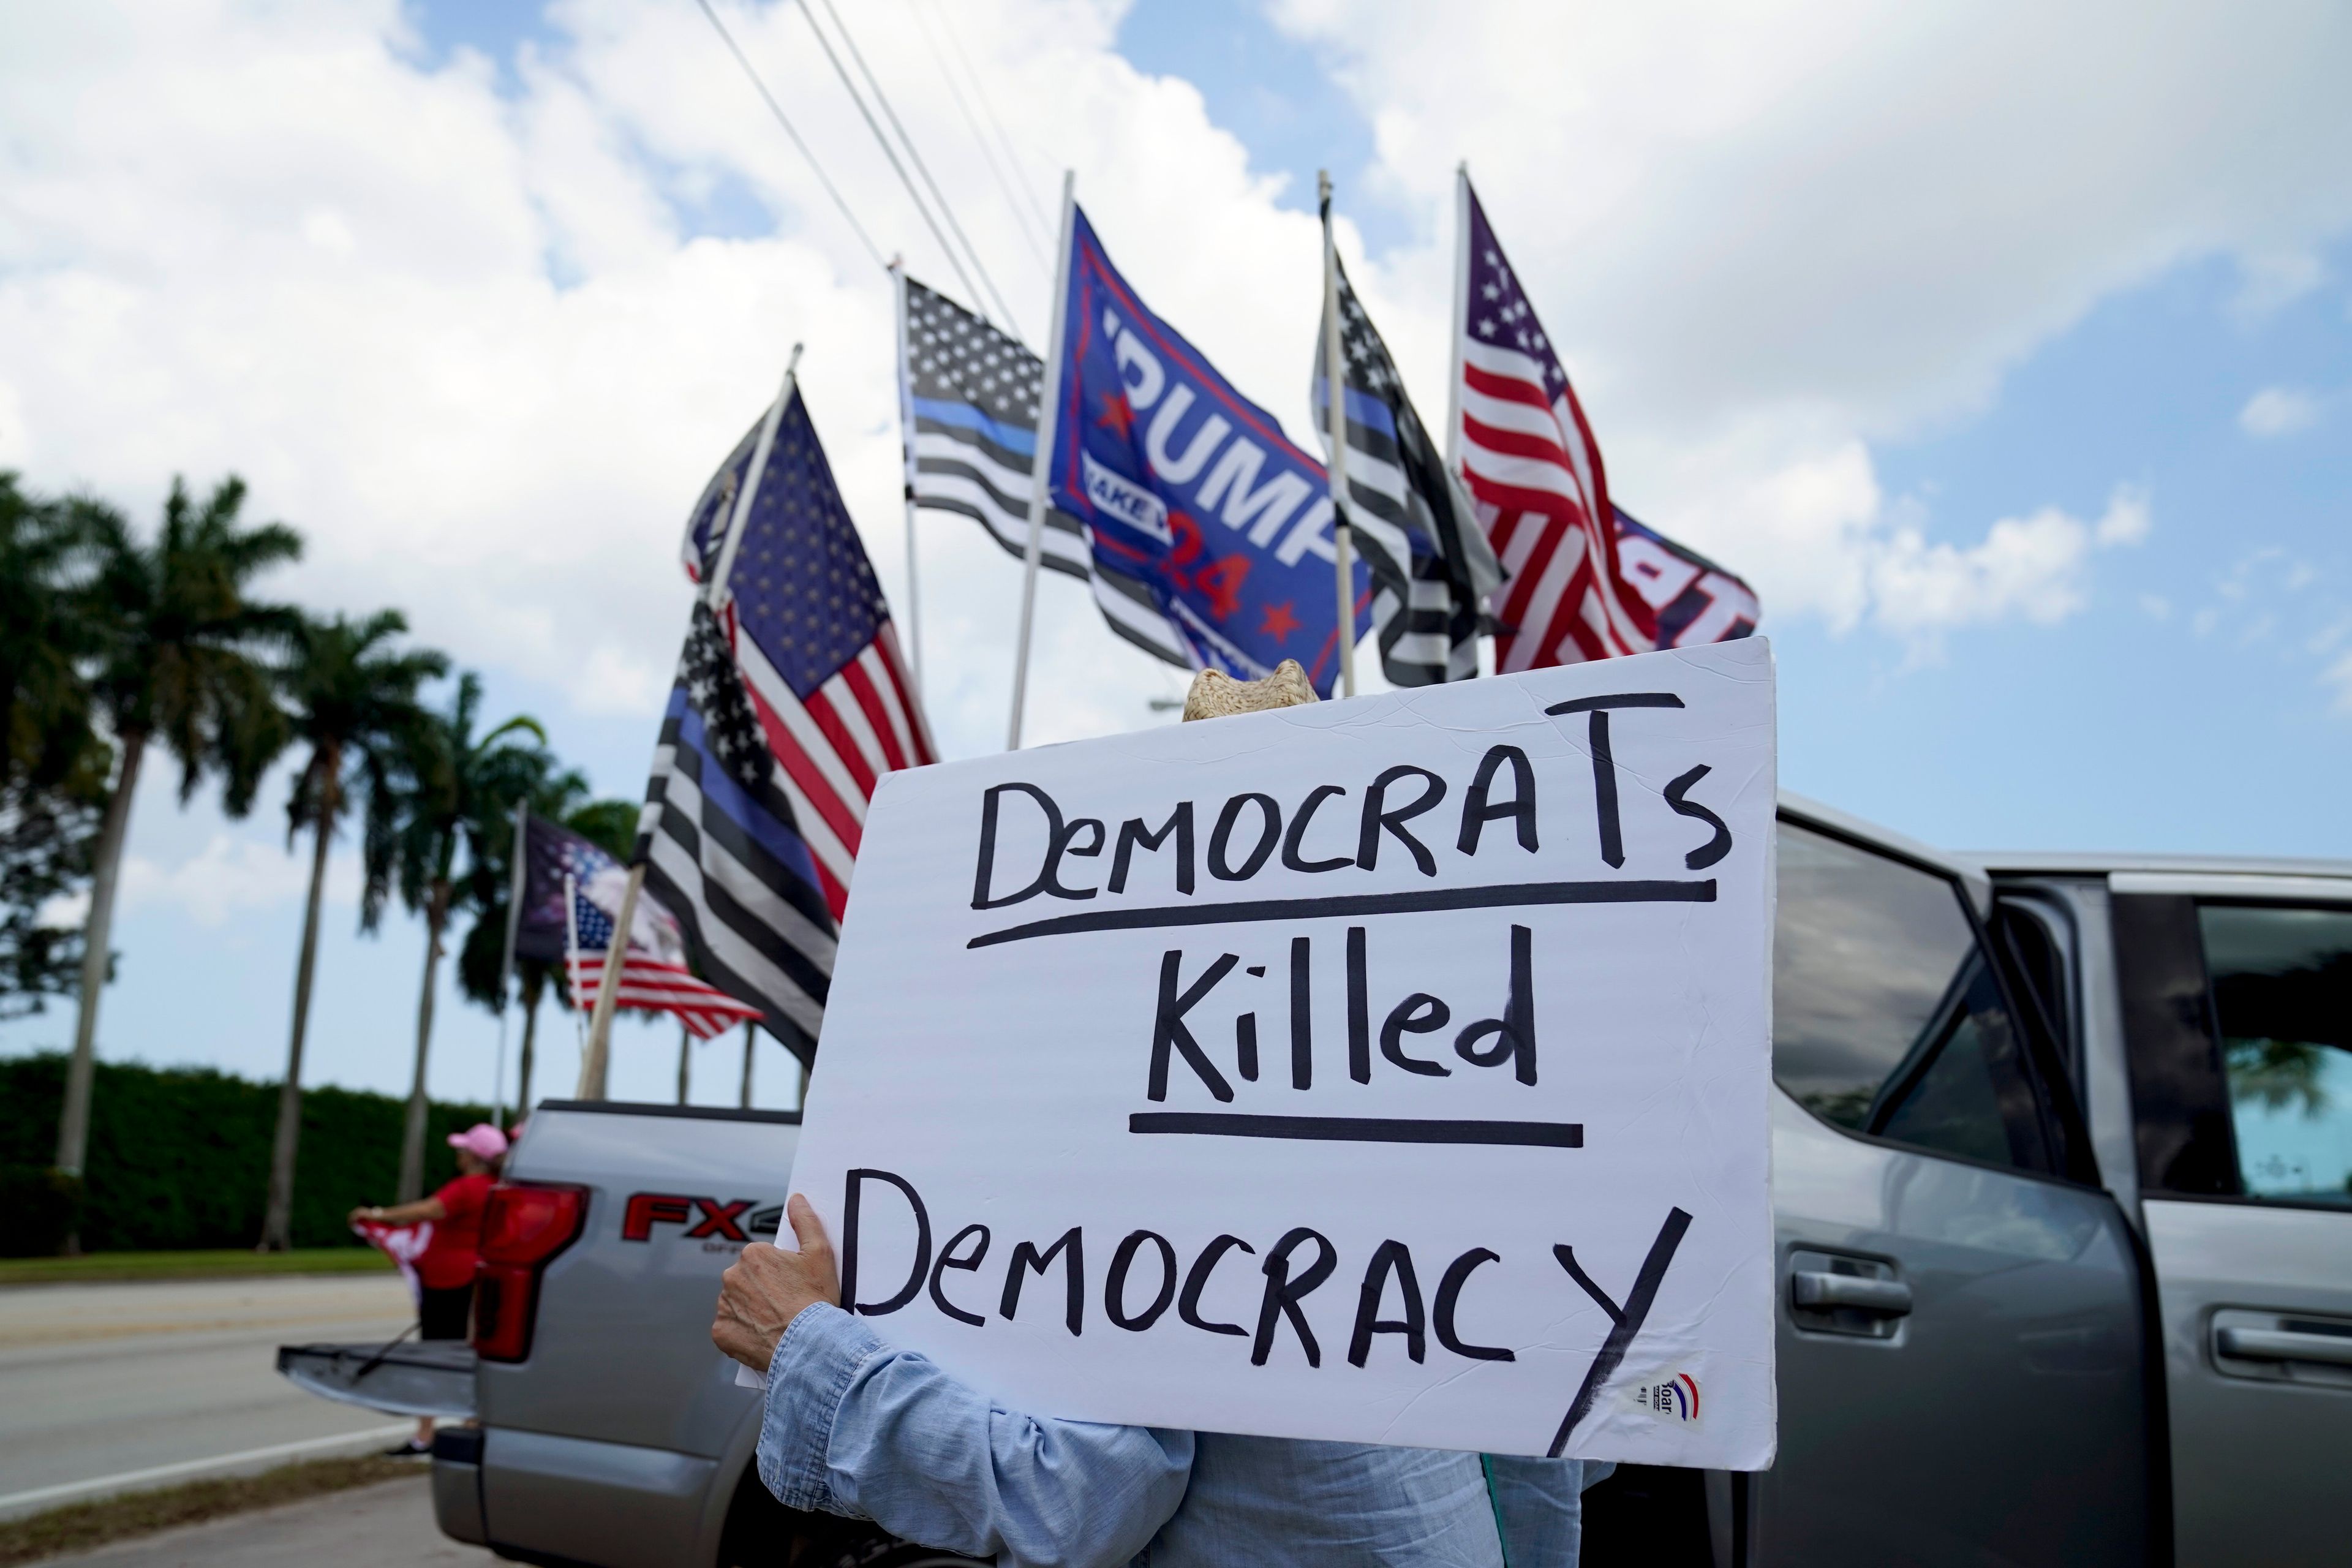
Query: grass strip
(229, 1263)
(82, 1526)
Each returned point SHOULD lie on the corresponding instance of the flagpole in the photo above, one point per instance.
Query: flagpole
(1049, 395)
(1335, 384)
(506, 964)
(1461, 314)
(608, 991)
(714, 591)
(571, 955)
(743, 1102)
(600, 1023)
(1486, 640)
(906, 446)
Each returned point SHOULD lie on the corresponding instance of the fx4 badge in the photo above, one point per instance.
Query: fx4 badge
(706, 1219)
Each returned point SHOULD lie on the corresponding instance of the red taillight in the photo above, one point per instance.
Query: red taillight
(523, 1227)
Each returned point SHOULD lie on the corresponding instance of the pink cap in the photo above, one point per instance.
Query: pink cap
(481, 1140)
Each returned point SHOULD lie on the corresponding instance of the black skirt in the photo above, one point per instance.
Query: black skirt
(444, 1312)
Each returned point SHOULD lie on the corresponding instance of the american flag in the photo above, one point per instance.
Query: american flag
(1577, 589)
(649, 981)
(555, 858)
(791, 704)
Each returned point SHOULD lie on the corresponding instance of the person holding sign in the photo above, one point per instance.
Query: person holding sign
(854, 1428)
(858, 1425)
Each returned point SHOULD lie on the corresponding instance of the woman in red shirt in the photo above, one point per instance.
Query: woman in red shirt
(444, 1270)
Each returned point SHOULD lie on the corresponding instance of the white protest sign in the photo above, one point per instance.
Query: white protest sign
(1392, 1070)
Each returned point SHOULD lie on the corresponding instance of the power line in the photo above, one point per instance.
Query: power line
(1021, 218)
(782, 118)
(891, 154)
(946, 209)
(979, 86)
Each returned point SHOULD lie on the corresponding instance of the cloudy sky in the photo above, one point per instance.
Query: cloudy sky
(2007, 351)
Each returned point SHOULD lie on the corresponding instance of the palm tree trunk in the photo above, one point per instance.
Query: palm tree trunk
(530, 993)
(277, 1220)
(412, 1136)
(97, 931)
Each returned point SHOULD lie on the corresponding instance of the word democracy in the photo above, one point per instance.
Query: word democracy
(1147, 1277)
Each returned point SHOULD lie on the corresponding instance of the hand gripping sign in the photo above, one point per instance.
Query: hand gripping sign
(1392, 1070)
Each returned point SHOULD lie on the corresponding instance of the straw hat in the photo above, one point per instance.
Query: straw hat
(1215, 694)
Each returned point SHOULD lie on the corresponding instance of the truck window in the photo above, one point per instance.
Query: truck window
(1887, 1018)
(2024, 929)
(2282, 988)
(2180, 1113)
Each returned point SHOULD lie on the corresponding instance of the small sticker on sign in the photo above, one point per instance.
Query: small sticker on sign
(1672, 1399)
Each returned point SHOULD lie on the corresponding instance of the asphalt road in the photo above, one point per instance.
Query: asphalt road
(103, 1380)
(385, 1526)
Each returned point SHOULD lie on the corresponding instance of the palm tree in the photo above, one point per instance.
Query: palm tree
(353, 699)
(45, 704)
(457, 791)
(174, 658)
(561, 799)
(54, 765)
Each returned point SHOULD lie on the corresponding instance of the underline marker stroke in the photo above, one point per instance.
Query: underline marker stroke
(1345, 905)
(1360, 1128)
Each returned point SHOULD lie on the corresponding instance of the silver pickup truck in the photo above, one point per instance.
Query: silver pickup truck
(2063, 1180)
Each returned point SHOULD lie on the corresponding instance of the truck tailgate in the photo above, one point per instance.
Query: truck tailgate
(430, 1377)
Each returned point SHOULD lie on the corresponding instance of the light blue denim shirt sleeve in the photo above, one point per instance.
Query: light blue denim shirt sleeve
(1539, 1507)
(855, 1427)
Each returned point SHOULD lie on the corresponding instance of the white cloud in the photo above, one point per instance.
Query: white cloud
(461, 338)
(13, 448)
(64, 912)
(1868, 202)
(1818, 537)
(2267, 282)
(2278, 410)
(2157, 606)
(2271, 596)
(232, 875)
(1766, 238)
(2032, 567)
(2339, 676)
(2126, 521)
(290, 250)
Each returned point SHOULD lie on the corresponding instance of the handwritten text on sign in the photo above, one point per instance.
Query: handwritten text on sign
(1392, 1070)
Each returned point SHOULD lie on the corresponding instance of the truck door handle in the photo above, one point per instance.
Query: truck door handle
(2283, 1344)
(1889, 1298)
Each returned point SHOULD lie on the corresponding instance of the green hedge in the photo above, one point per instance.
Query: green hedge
(178, 1157)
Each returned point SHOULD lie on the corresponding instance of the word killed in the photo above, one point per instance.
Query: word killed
(1492, 1042)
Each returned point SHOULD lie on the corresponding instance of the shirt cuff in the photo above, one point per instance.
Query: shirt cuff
(817, 1359)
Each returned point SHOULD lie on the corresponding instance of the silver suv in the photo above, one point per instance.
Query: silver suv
(2062, 1181)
